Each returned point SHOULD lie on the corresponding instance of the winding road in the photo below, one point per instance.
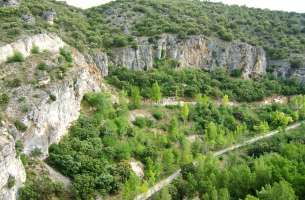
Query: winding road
(156, 188)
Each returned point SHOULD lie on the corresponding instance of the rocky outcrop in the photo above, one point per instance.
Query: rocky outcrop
(12, 172)
(53, 108)
(28, 19)
(49, 16)
(194, 51)
(48, 42)
(9, 3)
(53, 104)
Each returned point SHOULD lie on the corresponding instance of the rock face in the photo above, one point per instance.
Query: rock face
(9, 3)
(55, 106)
(49, 42)
(10, 168)
(52, 105)
(283, 69)
(99, 59)
(195, 51)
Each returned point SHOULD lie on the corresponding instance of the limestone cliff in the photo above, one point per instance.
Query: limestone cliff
(12, 173)
(45, 101)
(194, 51)
(52, 103)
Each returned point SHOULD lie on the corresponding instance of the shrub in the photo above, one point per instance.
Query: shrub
(42, 66)
(236, 73)
(36, 152)
(52, 97)
(158, 114)
(66, 54)
(20, 126)
(17, 57)
(297, 62)
(142, 122)
(35, 49)
(18, 147)
(14, 83)
(4, 99)
(25, 108)
(11, 181)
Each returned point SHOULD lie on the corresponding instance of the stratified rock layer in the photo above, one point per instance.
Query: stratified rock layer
(194, 51)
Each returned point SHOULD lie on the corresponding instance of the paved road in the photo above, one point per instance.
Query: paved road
(156, 188)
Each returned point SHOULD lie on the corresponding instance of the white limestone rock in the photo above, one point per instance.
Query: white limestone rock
(10, 165)
(48, 42)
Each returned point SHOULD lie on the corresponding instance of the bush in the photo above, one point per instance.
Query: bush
(17, 57)
(14, 83)
(4, 99)
(20, 126)
(18, 147)
(297, 62)
(236, 73)
(52, 97)
(11, 181)
(42, 66)
(66, 54)
(142, 122)
(36, 152)
(35, 49)
(158, 114)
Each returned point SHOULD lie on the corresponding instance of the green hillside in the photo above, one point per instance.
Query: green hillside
(116, 23)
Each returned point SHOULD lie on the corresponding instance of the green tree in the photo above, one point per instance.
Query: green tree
(263, 127)
(135, 97)
(184, 112)
(164, 195)
(223, 194)
(156, 94)
(83, 187)
(173, 128)
(225, 100)
(250, 197)
(279, 191)
(211, 132)
(280, 119)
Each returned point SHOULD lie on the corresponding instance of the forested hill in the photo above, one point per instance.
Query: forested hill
(117, 23)
(280, 33)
